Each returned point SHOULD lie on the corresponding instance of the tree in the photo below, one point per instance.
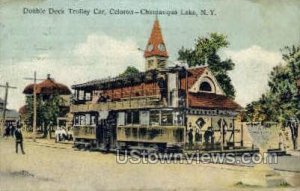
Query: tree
(206, 52)
(281, 103)
(47, 111)
(130, 70)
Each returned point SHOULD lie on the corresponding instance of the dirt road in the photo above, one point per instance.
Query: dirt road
(50, 166)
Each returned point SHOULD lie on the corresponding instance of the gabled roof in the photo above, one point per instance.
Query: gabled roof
(155, 40)
(48, 86)
(193, 75)
(212, 101)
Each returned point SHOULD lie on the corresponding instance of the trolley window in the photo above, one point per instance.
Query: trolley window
(135, 117)
(132, 117)
(144, 117)
(121, 118)
(82, 119)
(154, 117)
(93, 120)
(87, 119)
(177, 118)
(76, 121)
(166, 117)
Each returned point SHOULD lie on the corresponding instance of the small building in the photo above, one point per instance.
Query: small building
(45, 90)
(162, 107)
(11, 116)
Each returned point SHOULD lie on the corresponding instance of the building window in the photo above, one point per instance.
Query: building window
(205, 86)
(80, 95)
(88, 96)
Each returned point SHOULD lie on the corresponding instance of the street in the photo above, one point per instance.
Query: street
(51, 166)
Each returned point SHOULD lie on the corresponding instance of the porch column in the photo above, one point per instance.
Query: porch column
(222, 135)
(233, 129)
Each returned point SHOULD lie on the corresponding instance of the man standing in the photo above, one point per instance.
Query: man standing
(19, 140)
(190, 138)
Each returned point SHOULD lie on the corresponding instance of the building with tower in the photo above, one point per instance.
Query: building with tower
(156, 54)
(161, 108)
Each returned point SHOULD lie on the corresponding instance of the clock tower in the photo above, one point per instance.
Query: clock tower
(156, 54)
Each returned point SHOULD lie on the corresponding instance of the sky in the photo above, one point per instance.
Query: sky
(76, 48)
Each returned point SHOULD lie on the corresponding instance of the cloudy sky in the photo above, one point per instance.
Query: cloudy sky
(78, 48)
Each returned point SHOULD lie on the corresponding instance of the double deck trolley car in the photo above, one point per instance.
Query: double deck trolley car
(162, 108)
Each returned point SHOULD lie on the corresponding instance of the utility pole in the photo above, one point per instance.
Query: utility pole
(34, 105)
(7, 87)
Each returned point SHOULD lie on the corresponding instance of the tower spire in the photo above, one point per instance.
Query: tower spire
(155, 52)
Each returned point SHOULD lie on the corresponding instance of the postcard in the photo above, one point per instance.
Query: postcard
(149, 95)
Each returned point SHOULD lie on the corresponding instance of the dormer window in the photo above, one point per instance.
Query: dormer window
(205, 86)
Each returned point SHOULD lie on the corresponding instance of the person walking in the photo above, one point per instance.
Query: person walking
(19, 140)
(6, 131)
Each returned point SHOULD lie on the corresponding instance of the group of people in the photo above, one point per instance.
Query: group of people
(9, 130)
(196, 138)
(62, 135)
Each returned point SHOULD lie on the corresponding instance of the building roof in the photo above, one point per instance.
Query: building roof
(156, 40)
(298, 83)
(23, 110)
(48, 86)
(10, 114)
(211, 101)
(1, 100)
(192, 77)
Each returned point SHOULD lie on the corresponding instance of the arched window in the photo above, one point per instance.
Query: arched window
(205, 86)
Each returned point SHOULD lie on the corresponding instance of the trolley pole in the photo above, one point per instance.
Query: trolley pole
(34, 108)
(7, 87)
(34, 105)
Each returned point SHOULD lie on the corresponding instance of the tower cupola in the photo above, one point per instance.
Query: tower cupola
(155, 52)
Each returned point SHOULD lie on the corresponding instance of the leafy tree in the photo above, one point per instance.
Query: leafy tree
(206, 52)
(130, 70)
(281, 103)
(47, 111)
